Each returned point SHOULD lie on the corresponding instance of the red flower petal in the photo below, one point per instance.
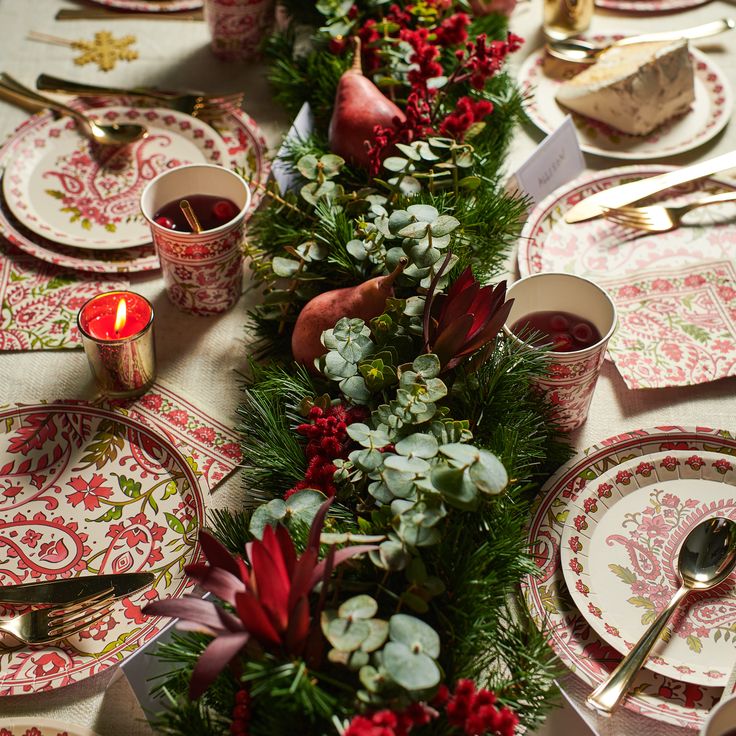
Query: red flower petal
(214, 659)
(255, 620)
(216, 553)
(216, 580)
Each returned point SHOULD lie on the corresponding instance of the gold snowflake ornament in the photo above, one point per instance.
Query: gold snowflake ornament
(105, 50)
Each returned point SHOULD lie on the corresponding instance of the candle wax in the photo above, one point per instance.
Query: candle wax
(98, 315)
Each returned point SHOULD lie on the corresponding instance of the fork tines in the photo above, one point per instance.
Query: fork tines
(68, 619)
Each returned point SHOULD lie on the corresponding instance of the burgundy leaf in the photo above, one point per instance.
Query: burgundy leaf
(216, 553)
(274, 544)
(273, 588)
(216, 580)
(451, 338)
(213, 660)
(317, 523)
(301, 581)
(298, 628)
(255, 620)
(287, 548)
(341, 555)
(193, 610)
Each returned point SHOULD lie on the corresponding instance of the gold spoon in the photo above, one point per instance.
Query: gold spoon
(106, 134)
(707, 557)
(580, 51)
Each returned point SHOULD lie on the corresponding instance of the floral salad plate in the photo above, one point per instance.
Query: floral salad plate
(709, 114)
(246, 148)
(600, 249)
(72, 191)
(85, 490)
(548, 598)
(619, 555)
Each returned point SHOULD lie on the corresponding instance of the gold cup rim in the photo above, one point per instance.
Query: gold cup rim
(117, 340)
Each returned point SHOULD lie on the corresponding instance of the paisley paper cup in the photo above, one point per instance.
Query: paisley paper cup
(203, 272)
(237, 27)
(722, 719)
(571, 376)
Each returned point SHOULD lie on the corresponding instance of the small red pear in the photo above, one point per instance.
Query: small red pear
(359, 107)
(366, 301)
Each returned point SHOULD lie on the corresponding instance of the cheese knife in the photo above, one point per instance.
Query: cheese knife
(623, 194)
(70, 589)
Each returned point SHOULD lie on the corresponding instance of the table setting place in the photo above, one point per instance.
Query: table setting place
(368, 368)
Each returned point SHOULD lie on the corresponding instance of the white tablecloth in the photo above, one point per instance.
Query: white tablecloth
(202, 355)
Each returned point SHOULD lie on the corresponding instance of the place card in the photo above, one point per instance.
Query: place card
(556, 161)
(300, 129)
(675, 327)
(40, 301)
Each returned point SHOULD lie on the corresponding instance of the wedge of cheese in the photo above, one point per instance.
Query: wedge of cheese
(633, 88)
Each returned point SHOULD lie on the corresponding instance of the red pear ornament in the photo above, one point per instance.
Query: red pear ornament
(366, 301)
(359, 107)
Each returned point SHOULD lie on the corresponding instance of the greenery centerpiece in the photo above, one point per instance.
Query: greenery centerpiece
(368, 586)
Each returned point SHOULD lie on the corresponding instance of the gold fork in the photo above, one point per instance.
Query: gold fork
(46, 625)
(196, 104)
(658, 218)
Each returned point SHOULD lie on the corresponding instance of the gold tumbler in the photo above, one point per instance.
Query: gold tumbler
(566, 18)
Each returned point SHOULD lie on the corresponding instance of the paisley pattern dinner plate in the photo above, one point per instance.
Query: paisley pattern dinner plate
(85, 490)
(708, 115)
(41, 727)
(648, 6)
(619, 556)
(600, 249)
(548, 599)
(246, 150)
(151, 6)
(71, 191)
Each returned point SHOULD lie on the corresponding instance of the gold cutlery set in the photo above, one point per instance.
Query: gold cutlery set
(72, 604)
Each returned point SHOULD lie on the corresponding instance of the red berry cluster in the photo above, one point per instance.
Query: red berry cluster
(467, 112)
(241, 713)
(475, 711)
(327, 432)
(391, 723)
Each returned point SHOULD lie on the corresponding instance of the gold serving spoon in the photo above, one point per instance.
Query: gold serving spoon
(580, 51)
(106, 134)
(707, 557)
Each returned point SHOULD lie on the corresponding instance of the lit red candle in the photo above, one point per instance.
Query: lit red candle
(117, 334)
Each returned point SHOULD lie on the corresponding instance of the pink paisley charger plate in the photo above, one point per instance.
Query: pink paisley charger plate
(648, 6)
(619, 554)
(600, 249)
(71, 191)
(708, 115)
(151, 6)
(246, 149)
(83, 491)
(547, 597)
(41, 727)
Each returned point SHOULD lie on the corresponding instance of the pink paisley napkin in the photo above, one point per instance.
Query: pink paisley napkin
(209, 444)
(677, 327)
(40, 301)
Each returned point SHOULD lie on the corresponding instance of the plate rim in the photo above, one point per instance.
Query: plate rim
(568, 479)
(698, 56)
(73, 729)
(157, 435)
(578, 598)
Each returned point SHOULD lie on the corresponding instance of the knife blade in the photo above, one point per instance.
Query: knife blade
(70, 589)
(696, 32)
(623, 194)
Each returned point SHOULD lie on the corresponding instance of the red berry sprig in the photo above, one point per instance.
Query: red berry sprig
(241, 713)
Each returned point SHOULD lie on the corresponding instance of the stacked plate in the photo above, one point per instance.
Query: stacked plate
(606, 534)
(75, 204)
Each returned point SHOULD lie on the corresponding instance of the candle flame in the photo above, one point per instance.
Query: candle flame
(121, 315)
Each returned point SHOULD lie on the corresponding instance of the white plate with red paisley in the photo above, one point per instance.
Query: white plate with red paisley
(576, 643)
(71, 191)
(247, 152)
(601, 249)
(709, 113)
(648, 6)
(619, 558)
(41, 727)
(84, 490)
(151, 6)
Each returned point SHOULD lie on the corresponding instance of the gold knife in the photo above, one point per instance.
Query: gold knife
(596, 204)
(105, 14)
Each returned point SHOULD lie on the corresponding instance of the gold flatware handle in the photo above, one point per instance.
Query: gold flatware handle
(105, 14)
(48, 83)
(15, 98)
(702, 31)
(623, 194)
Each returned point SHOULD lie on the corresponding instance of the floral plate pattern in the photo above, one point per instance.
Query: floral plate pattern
(710, 112)
(600, 249)
(648, 6)
(41, 727)
(152, 6)
(84, 490)
(246, 151)
(619, 557)
(548, 599)
(71, 191)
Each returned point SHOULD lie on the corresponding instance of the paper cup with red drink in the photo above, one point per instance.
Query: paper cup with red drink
(238, 27)
(574, 319)
(203, 271)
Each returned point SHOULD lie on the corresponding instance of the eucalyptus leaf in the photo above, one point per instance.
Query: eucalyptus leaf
(423, 212)
(419, 444)
(284, 267)
(461, 455)
(488, 474)
(444, 225)
(414, 230)
(358, 607)
(395, 163)
(414, 634)
(377, 637)
(347, 635)
(269, 514)
(410, 671)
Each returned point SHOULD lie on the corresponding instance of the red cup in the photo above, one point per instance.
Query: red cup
(237, 27)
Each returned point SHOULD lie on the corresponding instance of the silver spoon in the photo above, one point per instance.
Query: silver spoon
(707, 557)
(579, 51)
(106, 134)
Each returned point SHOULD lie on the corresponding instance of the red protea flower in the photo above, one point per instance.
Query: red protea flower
(270, 594)
(464, 320)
